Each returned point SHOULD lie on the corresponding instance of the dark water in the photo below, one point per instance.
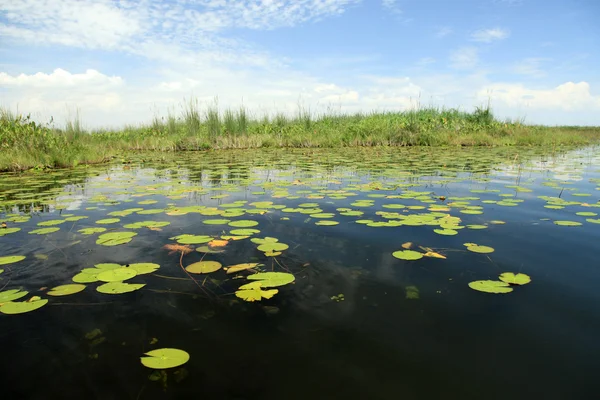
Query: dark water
(452, 342)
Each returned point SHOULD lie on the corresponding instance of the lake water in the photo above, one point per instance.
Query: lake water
(357, 322)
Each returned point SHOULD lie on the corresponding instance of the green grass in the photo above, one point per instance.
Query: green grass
(26, 144)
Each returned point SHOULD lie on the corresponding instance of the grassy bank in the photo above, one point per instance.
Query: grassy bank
(27, 144)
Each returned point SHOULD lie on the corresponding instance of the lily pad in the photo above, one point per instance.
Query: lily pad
(475, 248)
(117, 274)
(12, 294)
(491, 286)
(193, 239)
(65, 290)
(232, 269)
(208, 250)
(144, 268)
(567, 223)
(203, 267)
(515, 279)
(216, 221)
(254, 292)
(115, 238)
(245, 223)
(107, 221)
(272, 279)
(52, 222)
(7, 231)
(326, 223)
(409, 255)
(165, 358)
(43, 231)
(271, 247)
(10, 259)
(91, 231)
(22, 306)
(119, 287)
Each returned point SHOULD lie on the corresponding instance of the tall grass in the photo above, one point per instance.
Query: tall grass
(25, 143)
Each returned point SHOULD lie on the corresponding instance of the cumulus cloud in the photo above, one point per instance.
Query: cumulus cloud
(569, 96)
(489, 35)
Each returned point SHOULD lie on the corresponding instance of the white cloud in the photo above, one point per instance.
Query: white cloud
(566, 97)
(464, 58)
(60, 78)
(489, 35)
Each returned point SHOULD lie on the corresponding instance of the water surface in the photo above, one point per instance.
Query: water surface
(404, 329)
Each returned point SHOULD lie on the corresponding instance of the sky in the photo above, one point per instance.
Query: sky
(124, 62)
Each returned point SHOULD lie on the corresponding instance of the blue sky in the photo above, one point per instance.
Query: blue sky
(122, 62)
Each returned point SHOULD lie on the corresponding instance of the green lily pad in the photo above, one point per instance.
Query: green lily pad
(515, 279)
(491, 286)
(165, 358)
(91, 231)
(22, 306)
(203, 267)
(43, 231)
(216, 221)
(475, 248)
(144, 268)
(7, 231)
(586, 214)
(264, 240)
(117, 274)
(409, 255)
(244, 232)
(12, 294)
(245, 223)
(326, 223)
(108, 221)
(193, 239)
(52, 222)
(75, 218)
(65, 290)
(567, 223)
(10, 259)
(273, 246)
(272, 279)
(115, 238)
(119, 287)
(446, 232)
(254, 292)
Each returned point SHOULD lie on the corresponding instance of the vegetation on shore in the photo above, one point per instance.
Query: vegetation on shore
(26, 144)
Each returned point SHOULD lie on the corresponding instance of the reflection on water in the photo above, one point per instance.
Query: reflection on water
(357, 322)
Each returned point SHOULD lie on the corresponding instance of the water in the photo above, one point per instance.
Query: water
(379, 342)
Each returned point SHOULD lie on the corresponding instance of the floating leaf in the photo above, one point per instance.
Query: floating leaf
(515, 279)
(326, 223)
(144, 268)
(232, 269)
(117, 274)
(65, 290)
(115, 238)
(7, 231)
(203, 267)
(43, 231)
(23, 306)
(52, 222)
(119, 287)
(491, 286)
(446, 232)
(12, 294)
(244, 232)
(243, 223)
(193, 239)
(433, 254)
(206, 249)
(10, 259)
(91, 231)
(567, 223)
(273, 246)
(409, 255)
(407, 245)
(475, 248)
(108, 221)
(218, 243)
(216, 221)
(165, 358)
(264, 240)
(253, 292)
(272, 279)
